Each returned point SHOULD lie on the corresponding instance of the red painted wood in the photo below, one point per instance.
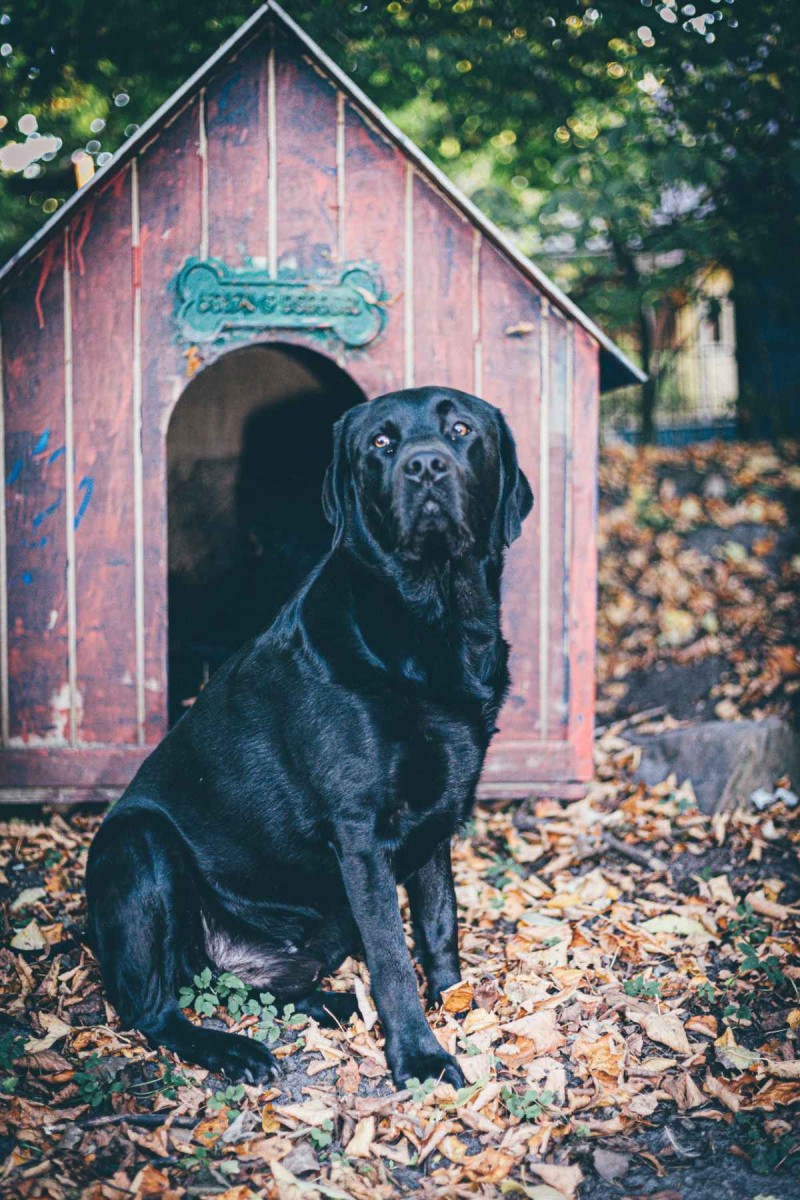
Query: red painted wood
(237, 156)
(306, 187)
(102, 321)
(443, 335)
(374, 206)
(311, 232)
(170, 181)
(583, 551)
(559, 409)
(83, 766)
(35, 498)
(511, 380)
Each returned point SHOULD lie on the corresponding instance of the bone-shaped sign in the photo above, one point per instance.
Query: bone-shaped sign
(215, 302)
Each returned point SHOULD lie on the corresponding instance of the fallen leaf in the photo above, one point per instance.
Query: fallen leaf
(360, 1142)
(458, 998)
(790, 1069)
(368, 1011)
(667, 1030)
(733, 1056)
(54, 1030)
(565, 1179)
(715, 1087)
(609, 1165)
(540, 1028)
(309, 1112)
(29, 938)
(679, 926)
(27, 897)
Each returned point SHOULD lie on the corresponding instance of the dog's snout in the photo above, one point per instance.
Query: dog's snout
(427, 466)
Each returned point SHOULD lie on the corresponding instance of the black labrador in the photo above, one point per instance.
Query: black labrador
(332, 757)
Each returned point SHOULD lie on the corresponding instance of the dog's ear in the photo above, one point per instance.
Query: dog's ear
(516, 497)
(336, 487)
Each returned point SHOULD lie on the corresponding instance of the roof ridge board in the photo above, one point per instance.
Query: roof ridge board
(252, 26)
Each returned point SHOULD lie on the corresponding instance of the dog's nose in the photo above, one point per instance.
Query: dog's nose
(424, 466)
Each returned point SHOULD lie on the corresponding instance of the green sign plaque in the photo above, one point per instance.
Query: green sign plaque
(215, 302)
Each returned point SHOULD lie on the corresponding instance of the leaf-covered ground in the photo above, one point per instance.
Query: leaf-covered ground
(700, 581)
(629, 1014)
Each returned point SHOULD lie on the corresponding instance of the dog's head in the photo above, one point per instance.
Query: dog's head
(429, 474)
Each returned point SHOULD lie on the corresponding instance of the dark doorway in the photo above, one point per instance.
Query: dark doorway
(247, 449)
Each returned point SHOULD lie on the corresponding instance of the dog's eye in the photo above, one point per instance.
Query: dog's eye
(381, 441)
(461, 428)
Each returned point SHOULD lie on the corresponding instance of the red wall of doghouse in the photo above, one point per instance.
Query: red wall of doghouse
(269, 160)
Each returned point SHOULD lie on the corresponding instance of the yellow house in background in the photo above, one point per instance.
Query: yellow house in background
(694, 364)
(705, 376)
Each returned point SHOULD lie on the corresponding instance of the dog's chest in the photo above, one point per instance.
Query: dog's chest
(432, 778)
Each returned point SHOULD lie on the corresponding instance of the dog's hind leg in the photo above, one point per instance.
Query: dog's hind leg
(145, 926)
(335, 939)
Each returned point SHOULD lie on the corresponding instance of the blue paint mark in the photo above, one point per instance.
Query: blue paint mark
(57, 454)
(86, 486)
(27, 577)
(41, 444)
(14, 473)
(47, 512)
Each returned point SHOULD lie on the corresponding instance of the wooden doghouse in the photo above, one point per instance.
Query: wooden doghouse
(265, 251)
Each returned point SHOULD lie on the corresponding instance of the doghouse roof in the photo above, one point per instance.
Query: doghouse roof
(616, 369)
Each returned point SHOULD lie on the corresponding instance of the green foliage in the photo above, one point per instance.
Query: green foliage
(95, 1086)
(767, 1152)
(228, 1098)
(322, 1135)
(12, 1045)
(530, 1106)
(420, 1091)
(207, 995)
(639, 986)
(198, 1157)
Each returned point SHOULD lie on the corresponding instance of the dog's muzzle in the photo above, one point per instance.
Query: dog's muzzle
(428, 502)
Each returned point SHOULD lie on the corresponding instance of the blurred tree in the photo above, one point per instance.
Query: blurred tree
(626, 145)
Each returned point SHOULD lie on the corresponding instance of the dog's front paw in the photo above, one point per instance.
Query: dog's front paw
(423, 1064)
(237, 1057)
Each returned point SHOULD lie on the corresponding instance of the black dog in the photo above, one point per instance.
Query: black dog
(332, 757)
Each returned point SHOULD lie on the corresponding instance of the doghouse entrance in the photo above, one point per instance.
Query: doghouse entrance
(247, 449)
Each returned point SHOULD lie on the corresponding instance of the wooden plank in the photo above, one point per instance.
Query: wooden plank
(373, 230)
(237, 157)
(81, 766)
(583, 551)
(306, 219)
(35, 498)
(170, 196)
(102, 389)
(442, 263)
(511, 380)
(59, 795)
(558, 425)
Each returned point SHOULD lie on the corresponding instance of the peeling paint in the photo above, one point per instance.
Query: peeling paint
(86, 486)
(47, 266)
(79, 239)
(47, 512)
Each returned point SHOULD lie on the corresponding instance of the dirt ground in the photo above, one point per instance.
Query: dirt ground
(629, 1013)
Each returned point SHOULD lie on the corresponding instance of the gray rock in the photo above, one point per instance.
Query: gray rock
(726, 761)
